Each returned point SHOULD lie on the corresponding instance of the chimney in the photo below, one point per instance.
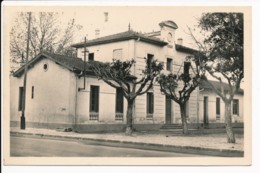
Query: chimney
(97, 32)
(180, 41)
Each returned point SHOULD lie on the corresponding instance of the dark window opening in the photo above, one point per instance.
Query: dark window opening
(186, 68)
(32, 92)
(45, 67)
(236, 107)
(94, 98)
(149, 60)
(91, 56)
(21, 92)
(169, 64)
(119, 100)
(150, 104)
(218, 108)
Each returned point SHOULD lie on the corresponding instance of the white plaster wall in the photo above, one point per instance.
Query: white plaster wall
(53, 94)
(212, 107)
(104, 52)
(107, 100)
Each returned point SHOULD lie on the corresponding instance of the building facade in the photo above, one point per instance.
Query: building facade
(58, 95)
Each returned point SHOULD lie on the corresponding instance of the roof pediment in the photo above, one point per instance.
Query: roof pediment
(169, 23)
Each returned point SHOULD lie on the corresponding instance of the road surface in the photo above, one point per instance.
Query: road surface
(37, 147)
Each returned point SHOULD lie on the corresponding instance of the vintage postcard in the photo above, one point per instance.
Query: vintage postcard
(127, 85)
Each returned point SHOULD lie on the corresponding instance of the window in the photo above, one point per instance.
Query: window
(186, 68)
(149, 60)
(169, 64)
(119, 104)
(94, 102)
(150, 104)
(32, 92)
(236, 107)
(91, 57)
(21, 92)
(45, 67)
(218, 108)
(118, 54)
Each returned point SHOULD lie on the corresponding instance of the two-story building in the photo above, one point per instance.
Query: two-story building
(58, 94)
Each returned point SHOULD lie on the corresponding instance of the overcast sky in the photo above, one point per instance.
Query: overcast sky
(141, 19)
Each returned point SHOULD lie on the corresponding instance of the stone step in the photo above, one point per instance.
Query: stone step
(171, 126)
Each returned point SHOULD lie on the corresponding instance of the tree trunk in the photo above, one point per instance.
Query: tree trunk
(184, 120)
(129, 116)
(228, 121)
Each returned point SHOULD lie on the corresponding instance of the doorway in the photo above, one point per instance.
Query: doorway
(205, 112)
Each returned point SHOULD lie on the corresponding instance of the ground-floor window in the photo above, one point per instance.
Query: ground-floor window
(119, 104)
(94, 102)
(20, 104)
(236, 107)
(217, 108)
(150, 104)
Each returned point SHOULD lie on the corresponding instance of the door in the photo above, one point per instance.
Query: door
(205, 112)
(168, 110)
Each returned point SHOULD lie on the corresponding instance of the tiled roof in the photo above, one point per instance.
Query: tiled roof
(185, 49)
(205, 85)
(71, 63)
(128, 35)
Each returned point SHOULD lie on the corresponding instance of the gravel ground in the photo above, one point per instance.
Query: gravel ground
(215, 141)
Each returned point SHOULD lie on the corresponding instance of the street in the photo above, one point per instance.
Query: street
(43, 147)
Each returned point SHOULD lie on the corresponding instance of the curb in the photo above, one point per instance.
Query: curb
(140, 145)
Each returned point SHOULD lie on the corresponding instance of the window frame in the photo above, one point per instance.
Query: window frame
(96, 99)
(169, 64)
(218, 107)
(150, 104)
(235, 109)
(20, 100)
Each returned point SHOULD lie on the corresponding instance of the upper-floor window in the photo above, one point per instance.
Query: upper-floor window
(91, 57)
(169, 64)
(118, 54)
(149, 60)
(236, 107)
(186, 68)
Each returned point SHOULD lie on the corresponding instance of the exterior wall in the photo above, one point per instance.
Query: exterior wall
(54, 95)
(104, 52)
(107, 101)
(212, 108)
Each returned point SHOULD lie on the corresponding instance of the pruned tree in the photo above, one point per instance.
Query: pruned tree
(222, 56)
(47, 34)
(179, 87)
(118, 75)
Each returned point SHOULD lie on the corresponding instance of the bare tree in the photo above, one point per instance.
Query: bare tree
(118, 75)
(47, 34)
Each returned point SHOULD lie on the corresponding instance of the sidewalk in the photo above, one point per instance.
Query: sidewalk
(205, 144)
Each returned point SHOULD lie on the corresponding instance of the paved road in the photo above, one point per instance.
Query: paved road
(27, 146)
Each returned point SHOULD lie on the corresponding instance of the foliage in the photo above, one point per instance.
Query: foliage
(118, 74)
(46, 34)
(222, 53)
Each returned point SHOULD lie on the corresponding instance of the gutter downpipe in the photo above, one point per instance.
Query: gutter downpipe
(84, 71)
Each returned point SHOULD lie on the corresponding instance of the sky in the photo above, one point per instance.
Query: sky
(141, 19)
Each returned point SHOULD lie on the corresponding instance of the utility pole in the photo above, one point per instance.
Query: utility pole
(25, 74)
